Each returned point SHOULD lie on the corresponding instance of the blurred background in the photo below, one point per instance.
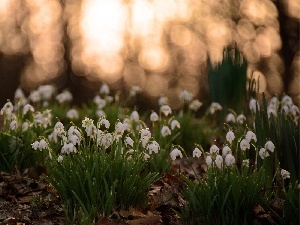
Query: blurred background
(162, 46)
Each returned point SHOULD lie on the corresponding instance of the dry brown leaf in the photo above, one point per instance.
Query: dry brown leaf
(150, 220)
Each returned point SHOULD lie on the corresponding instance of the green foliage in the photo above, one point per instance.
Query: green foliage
(227, 81)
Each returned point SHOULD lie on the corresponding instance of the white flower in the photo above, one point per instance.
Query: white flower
(60, 158)
(175, 152)
(287, 100)
(270, 146)
(285, 174)
(230, 118)
(208, 160)
(166, 110)
(35, 145)
(240, 119)
(105, 122)
(271, 111)
(274, 102)
(34, 96)
(46, 91)
(244, 144)
(65, 96)
(195, 105)
(175, 124)
(229, 160)
(72, 114)
(219, 161)
(226, 150)
(129, 141)
(250, 135)
(163, 101)
(59, 128)
(252, 105)
(27, 108)
(107, 140)
(19, 94)
(90, 130)
(134, 91)
(153, 147)
(146, 156)
(7, 108)
(126, 124)
(214, 106)
(43, 145)
(25, 126)
(101, 103)
(165, 131)
(263, 153)
(135, 116)
(245, 162)
(87, 122)
(214, 149)
(68, 148)
(119, 129)
(186, 96)
(13, 125)
(100, 113)
(197, 153)
(104, 89)
(154, 117)
(294, 110)
(230, 136)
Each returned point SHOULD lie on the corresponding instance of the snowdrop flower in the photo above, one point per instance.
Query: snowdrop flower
(229, 160)
(252, 105)
(271, 111)
(87, 122)
(53, 136)
(91, 130)
(195, 105)
(153, 147)
(35, 145)
(27, 108)
(104, 89)
(214, 106)
(285, 109)
(270, 146)
(219, 161)
(166, 110)
(245, 162)
(25, 126)
(135, 116)
(208, 160)
(34, 96)
(154, 117)
(106, 140)
(145, 136)
(294, 110)
(163, 101)
(186, 96)
(59, 128)
(19, 94)
(65, 96)
(60, 158)
(134, 91)
(68, 148)
(214, 150)
(230, 118)
(146, 156)
(7, 108)
(244, 144)
(72, 114)
(105, 122)
(263, 153)
(197, 153)
(119, 129)
(43, 145)
(226, 150)
(74, 139)
(165, 131)
(250, 135)
(287, 100)
(230, 136)
(285, 174)
(129, 141)
(240, 119)
(127, 125)
(100, 113)
(274, 102)
(175, 152)
(13, 125)
(101, 103)
(175, 124)
(46, 91)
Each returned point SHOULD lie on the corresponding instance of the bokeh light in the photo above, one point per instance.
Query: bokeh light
(161, 46)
